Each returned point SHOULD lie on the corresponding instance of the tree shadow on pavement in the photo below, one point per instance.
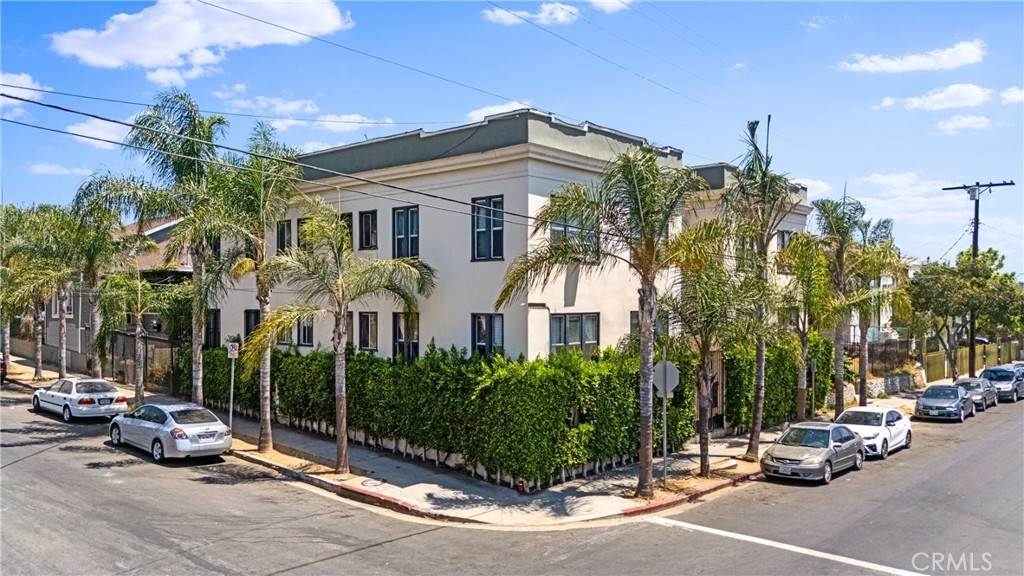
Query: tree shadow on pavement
(225, 474)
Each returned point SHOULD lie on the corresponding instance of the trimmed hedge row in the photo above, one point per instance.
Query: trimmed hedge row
(526, 419)
(781, 366)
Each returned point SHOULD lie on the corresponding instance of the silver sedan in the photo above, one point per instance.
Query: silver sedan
(172, 431)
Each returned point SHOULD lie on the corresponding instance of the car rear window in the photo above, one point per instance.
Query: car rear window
(193, 416)
(860, 418)
(95, 387)
(940, 393)
(997, 375)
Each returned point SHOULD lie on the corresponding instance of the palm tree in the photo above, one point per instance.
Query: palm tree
(178, 143)
(758, 202)
(625, 219)
(328, 277)
(839, 223)
(710, 305)
(11, 218)
(807, 300)
(261, 193)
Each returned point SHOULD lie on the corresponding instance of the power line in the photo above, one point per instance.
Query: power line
(1002, 231)
(966, 228)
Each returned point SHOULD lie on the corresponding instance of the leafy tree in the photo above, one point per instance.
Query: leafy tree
(328, 276)
(624, 220)
(11, 220)
(758, 203)
(261, 190)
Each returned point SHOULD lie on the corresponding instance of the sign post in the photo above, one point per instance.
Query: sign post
(232, 354)
(814, 405)
(666, 378)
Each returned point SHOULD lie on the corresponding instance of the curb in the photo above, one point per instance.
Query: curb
(351, 492)
(692, 497)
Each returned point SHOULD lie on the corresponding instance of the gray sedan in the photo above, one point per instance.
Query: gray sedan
(1009, 383)
(981, 390)
(944, 402)
(172, 431)
(813, 451)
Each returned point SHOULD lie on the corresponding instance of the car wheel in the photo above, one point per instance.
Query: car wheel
(115, 435)
(906, 443)
(157, 451)
(884, 453)
(35, 404)
(962, 416)
(858, 461)
(827, 476)
(67, 414)
(1014, 400)
(974, 411)
(984, 405)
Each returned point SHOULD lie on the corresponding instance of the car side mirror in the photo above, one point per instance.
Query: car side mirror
(837, 445)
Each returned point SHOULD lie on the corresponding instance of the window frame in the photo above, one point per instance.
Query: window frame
(588, 347)
(365, 319)
(412, 239)
(493, 230)
(284, 235)
(408, 325)
(347, 218)
(491, 345)
(365, 240)
(301, 327)
(211, 329)
(247, 314)
(298, 233)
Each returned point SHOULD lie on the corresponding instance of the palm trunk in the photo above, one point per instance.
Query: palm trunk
(95, 318)
(340, 409)
(863, 363)
(801, 379)
(704, 413)
(62, 332)
(838, 377)
(38, 318)
(5, 339)
(266, 439)
(198, 323)
(753, 444)
(645, 482)
(140, 359)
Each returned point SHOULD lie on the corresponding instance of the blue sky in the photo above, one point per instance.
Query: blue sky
(893, 100)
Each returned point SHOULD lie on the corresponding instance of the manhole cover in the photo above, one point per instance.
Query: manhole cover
(371, 483)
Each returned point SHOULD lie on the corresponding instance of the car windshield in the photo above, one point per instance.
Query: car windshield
(193, 416)
(940, 393)
(997, 375)
(95, 387)
(805, 437)
(860, 418)
(972, 385)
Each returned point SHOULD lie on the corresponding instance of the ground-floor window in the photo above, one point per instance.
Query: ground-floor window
(406, 334)
(367, 330)
(580, 331)
(488, 332)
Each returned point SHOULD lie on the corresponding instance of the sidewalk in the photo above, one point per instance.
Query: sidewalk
(419, 488)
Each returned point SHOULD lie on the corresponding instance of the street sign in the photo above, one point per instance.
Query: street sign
(232, 350)
(666, 377)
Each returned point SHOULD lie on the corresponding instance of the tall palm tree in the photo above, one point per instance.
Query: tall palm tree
(328, 277)
(261, 193)
(625, 219)
(710, 306)
(839, 223)
(758, 203)
(178, 143)
(11, 219)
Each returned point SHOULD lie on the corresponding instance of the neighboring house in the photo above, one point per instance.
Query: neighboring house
(505, 166)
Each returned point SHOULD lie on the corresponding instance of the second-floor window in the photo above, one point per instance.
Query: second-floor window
(782, 239)
(347, 218)
(300, 241)
(305, 330)
(251, 320)
(284, 235)
(211, 335)
(367, 330)
(578, 331)
(368, 230)
(488, 228)
(407, 232)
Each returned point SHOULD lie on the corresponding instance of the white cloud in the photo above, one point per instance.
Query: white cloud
(610, 6)
(348, 122)
(815, 188)
(99, 129)
(57, 170)
(817, 22)
(1012, 95)
(954, 124)
(481, 113)
(911, 200)
(175, 41)
(13, 108)
(952, 96)
(308, 147)
(739, 66)
(960, 54)
(548, 14)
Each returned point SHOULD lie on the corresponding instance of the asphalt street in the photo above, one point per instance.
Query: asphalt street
(70, 503)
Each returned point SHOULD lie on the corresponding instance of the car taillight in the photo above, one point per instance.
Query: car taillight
(86, 401)
(179, 434)
(120, 400)
(227, 431)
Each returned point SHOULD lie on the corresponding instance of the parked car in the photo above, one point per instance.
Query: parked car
(882, 429)
(981, 390)
(944, 402)
(80, 398)
(1009, 384)
(172, 431)
(813, 451)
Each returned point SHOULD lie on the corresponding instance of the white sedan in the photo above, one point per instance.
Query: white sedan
(80, 398)
(883, 429)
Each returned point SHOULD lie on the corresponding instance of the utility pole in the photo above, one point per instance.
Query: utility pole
(974, 191)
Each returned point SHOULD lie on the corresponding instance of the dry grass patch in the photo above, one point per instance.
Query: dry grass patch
(290, 462)
(691, 483)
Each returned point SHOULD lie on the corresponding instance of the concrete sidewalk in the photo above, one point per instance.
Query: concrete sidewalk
(420, 488)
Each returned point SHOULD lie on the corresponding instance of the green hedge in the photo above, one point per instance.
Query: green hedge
(781, 369)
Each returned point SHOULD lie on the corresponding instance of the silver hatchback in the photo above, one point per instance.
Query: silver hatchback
(172, 431)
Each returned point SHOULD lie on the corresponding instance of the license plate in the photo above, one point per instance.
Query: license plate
(206, 437)
(106, 400)
(933, 412)
(785, 470)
